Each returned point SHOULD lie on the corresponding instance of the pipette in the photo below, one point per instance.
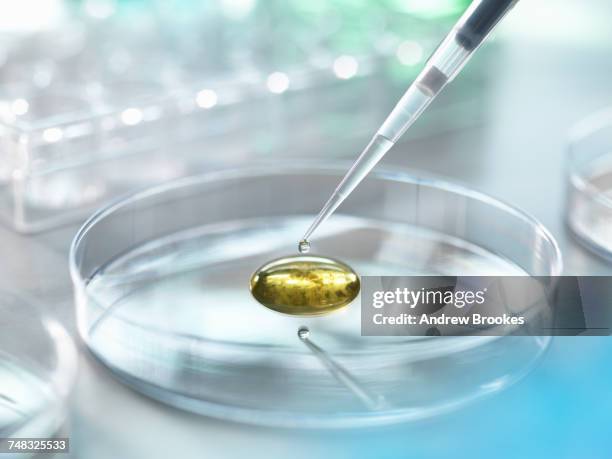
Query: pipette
(441, 68)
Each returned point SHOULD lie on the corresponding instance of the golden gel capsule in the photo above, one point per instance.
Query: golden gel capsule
(305, 285)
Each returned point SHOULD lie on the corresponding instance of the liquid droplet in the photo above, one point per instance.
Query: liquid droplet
(305, 285)
(303, 333)
(304, 246)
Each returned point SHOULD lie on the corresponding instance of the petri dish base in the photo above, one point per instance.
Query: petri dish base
(37, 369)
(161, 282)
(589, 190)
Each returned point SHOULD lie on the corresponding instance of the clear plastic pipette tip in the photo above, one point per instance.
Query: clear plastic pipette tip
(375, 150)
(443, 65)
(334, 201)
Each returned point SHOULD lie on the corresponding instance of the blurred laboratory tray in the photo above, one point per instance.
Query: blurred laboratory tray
(100, 106)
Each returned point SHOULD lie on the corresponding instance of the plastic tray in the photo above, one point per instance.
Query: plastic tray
(133, 94)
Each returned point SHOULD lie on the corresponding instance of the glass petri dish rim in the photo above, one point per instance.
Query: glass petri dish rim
(62, 377)
(583, 129)
(332, 168)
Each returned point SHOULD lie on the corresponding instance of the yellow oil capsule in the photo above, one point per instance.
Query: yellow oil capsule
(305, 285)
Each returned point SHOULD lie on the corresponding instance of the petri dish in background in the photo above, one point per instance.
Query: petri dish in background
(38, 363)
(161, 286)
(589, 175)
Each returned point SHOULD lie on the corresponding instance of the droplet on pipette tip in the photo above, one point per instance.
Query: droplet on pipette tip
(303, 333)
(305, 285)
(304, 246)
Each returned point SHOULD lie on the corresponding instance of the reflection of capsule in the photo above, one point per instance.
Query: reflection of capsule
(305, 285)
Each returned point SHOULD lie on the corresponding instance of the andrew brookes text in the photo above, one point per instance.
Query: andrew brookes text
(439, 297)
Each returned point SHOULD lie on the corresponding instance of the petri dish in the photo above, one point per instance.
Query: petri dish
(589, 175)
(161, 286)
(38, 364)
